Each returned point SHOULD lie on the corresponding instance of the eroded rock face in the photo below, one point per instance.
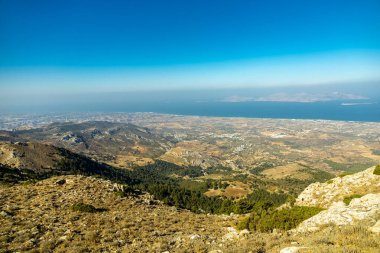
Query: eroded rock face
(330, 195)
(366, 208)
(325, 194)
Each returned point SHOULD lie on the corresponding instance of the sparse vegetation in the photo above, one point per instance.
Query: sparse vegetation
(261, 167)
(135, 223)
(350, 168)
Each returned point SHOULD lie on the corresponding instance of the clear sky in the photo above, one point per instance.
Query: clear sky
(55, 46)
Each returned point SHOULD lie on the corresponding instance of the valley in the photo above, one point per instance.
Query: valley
(229, 184)
(284, 155)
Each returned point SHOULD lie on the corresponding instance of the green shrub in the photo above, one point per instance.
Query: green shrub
(345, 174)
(347, 199)
(120, 194)
(329, 182)
(125, 190)
(377, 170)
(284, 219)
(82, 207)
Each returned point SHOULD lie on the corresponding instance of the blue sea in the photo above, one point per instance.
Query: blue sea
(203, 104)
(287, 110)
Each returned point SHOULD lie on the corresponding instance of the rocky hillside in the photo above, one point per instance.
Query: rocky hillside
(324, 194)
(365, 210)
(28, 155)
(40, 216)
(86, 214)
(106, 141)
(23, 161)
(350, 199)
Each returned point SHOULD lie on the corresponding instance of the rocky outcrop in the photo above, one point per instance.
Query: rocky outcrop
(325, 194)
(366, 208)
(363, 207)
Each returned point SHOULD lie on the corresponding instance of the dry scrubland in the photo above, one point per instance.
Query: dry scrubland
(279, 155)
(38, 217)
(236, 156)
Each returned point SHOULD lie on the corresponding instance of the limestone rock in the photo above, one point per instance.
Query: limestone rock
(233, 234)
(375, 228)
(366, 208)
(292, 249)
(324, 194)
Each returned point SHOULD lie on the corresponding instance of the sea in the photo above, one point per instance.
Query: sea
(345, 111)
(366, 110)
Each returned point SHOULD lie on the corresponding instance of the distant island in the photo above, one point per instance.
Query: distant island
(297, 97)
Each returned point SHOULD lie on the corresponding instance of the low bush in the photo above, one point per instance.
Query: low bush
(82, 207)
(377, 170)
(347, 199)
(345, 174)
(284, 219)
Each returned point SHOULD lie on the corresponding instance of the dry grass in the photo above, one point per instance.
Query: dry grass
(234, 190)
(348, 239)
(293, 170)
(38, 218)
(126, 161)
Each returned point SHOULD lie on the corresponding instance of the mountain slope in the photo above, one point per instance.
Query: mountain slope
(104, 141)
(324, 194)
(40, 216)
(30, 160)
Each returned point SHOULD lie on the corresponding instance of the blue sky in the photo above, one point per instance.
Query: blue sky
(99, 46)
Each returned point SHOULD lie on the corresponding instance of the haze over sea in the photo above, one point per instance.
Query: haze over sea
(269, 59)
(203, 104)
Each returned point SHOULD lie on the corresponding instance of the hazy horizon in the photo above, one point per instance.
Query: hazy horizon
(94, 55)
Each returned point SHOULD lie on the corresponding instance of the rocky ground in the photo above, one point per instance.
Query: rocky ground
(325, 194)
(38, 217)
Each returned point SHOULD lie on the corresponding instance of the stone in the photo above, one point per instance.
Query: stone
(194, 237)
(233, 234)
(366, 208)
(292, 249)
(375, 228)
(244, 232)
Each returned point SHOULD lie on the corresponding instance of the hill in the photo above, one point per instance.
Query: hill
(74, 213)
(77, 212)
(22, 161)
(119, 144)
